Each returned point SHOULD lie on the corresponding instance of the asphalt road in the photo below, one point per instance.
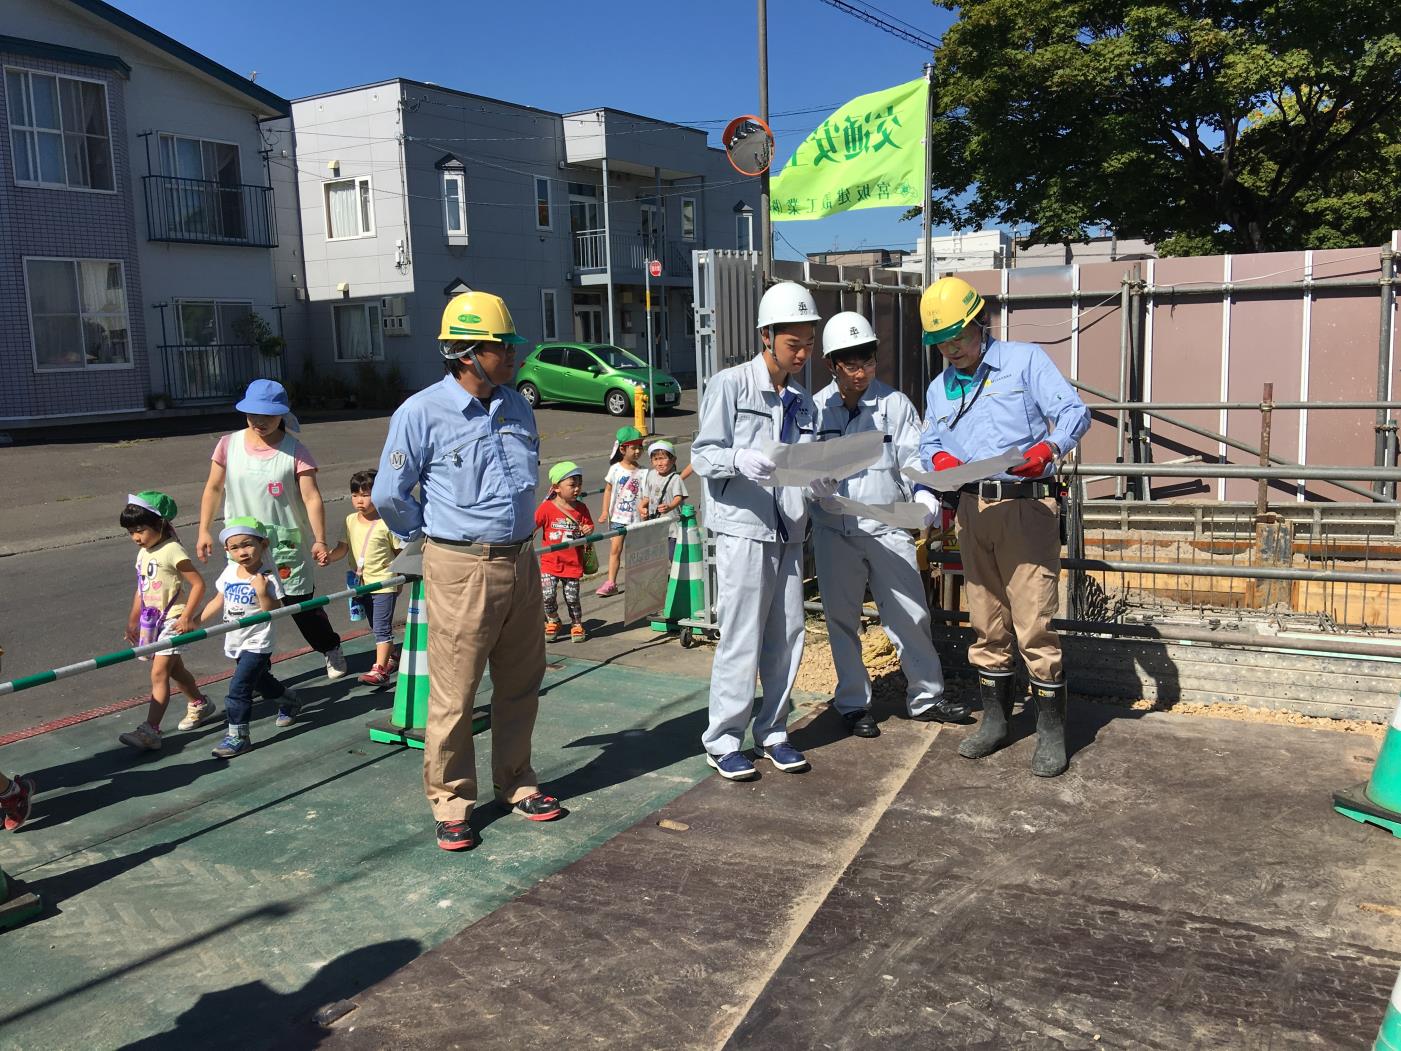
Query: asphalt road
(66, 564)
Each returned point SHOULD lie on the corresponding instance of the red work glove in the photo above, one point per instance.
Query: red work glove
(943, 461)
(1035, 461)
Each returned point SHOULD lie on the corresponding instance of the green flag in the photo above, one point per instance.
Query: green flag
(868, 154)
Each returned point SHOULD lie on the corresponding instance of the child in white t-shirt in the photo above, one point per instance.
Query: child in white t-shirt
(622, 491)
(248, 585)
(168, 592)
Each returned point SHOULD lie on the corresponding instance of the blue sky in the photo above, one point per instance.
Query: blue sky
(686, 63)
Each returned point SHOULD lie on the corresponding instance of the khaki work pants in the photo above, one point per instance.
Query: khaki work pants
(482, 612)
(1011, 566)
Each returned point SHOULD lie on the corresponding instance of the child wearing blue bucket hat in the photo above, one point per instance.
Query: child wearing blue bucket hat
(265, 472)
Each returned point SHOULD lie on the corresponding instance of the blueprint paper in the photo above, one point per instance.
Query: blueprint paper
(954, 477)
(900, 515)
(836, 458)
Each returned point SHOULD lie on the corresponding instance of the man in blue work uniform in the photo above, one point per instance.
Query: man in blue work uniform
(853, 553)
(993, 397)
(759, 534)
(468, 444)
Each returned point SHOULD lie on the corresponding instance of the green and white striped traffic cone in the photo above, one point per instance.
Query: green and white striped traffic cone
(684, 597)
(1378, 802)
(405, 725)
(1389, 1037)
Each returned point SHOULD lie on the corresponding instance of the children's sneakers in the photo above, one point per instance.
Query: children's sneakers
(288, 705)
(16, 803)
(235, 742)
(577, 633)
(144, 738)
(197, 713)
(378, 675)
(551, 630)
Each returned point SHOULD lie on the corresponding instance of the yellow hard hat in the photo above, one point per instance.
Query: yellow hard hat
(946, 307)
(478, 317)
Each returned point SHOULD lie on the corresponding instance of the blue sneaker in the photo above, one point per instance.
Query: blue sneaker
(288, 705)
(232, 745)
(784, 756)
(733, 766)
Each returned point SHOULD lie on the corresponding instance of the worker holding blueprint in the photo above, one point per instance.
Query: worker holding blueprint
(1000, 399)
(860, 534)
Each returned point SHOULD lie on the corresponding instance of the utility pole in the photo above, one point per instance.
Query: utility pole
(765, 230)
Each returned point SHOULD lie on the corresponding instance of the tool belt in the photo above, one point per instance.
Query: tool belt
(997, 490)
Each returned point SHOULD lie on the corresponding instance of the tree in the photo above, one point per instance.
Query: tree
(1204, 125)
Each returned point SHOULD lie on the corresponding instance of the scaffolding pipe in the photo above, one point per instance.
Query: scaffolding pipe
(1121, 417)
(1231, 470)
(1384, 361)
(1213, 406)
(1206, 569)
(1173, 633)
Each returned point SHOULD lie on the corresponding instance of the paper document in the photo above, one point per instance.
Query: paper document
(901, 515)
(836, 458)
(954, 477)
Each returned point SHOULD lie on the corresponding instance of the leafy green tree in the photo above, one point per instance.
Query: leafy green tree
(1204, 125)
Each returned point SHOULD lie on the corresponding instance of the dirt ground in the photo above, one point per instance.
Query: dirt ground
(817, 674)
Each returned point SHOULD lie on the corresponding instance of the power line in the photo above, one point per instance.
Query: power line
(873, 15)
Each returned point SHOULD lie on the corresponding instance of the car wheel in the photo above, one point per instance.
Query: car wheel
(530, 393)
(617, 403)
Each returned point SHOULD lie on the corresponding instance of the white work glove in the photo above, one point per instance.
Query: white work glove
(930, 503)
(821, 488)
(754, 465)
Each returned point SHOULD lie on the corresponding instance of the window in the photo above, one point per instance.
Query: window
(58, 131)
(358, 331)
(455, 203)
(542, 203)
(688, 218)
(349, 209)
(551, 356)
(77, 313)
(207, 199)
(744, 230)
(548, 328)
(205, 322)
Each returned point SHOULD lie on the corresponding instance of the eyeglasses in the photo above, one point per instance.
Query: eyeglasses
(852, 368)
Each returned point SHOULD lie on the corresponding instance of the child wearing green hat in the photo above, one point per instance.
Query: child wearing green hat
(563, 517)
(622, 490)
(168, 592)
(248, 584)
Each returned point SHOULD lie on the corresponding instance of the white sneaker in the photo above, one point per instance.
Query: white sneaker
(335, 663)
(143, 738)
(196, 715)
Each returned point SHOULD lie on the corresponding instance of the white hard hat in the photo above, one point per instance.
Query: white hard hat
(786, 303)
(846, 331)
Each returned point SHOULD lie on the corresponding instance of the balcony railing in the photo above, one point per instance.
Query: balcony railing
(630, 254)
(201, 211)
(215, 372)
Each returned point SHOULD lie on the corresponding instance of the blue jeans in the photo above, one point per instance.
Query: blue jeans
(252, 671)
(382, 614)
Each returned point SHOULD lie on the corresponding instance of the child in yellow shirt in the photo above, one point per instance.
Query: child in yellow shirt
(168, 592)
(370, 543)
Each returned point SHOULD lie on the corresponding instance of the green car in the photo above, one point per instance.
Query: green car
(592, 374)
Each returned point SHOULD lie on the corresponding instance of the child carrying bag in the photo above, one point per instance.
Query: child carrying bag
(151, 622)
(352, 579)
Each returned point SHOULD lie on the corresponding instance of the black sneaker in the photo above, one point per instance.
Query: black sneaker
(455, 835)
(945, 711)
(860, 723)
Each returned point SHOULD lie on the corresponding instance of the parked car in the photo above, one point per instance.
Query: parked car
(592, 374)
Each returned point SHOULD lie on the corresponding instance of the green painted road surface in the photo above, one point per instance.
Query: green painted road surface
(198, 902)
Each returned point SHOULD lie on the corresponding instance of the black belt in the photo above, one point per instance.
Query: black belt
(472, 547)
(996, 490)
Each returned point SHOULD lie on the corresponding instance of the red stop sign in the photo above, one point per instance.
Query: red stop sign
(655, 268)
